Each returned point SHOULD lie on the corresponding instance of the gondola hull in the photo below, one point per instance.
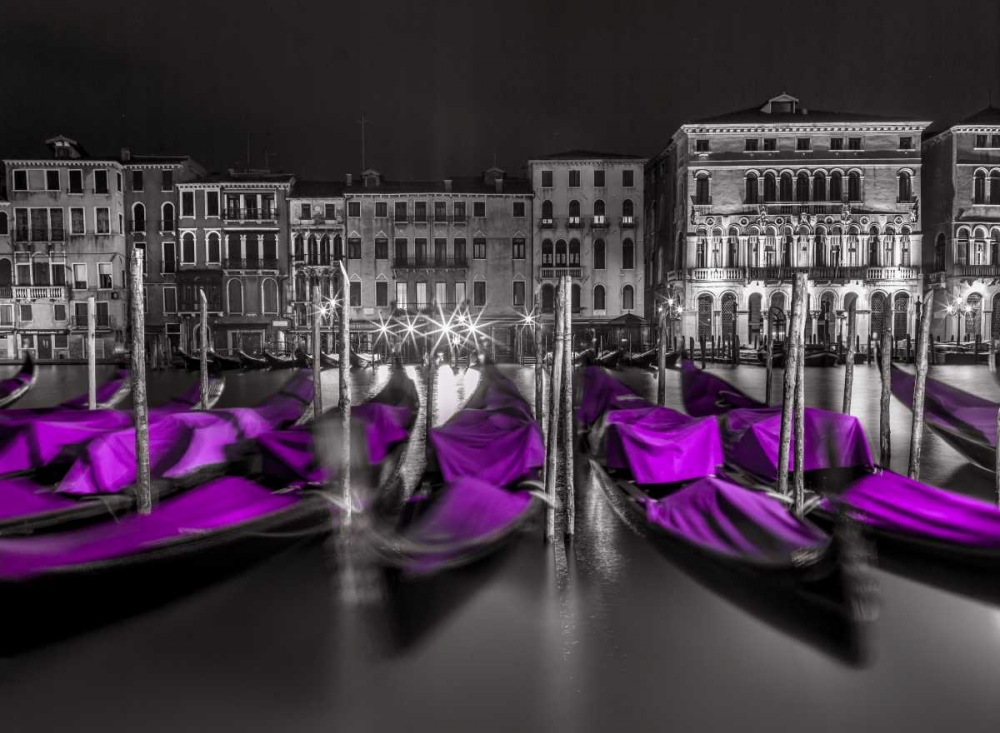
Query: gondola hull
(250, 363)
(13, 389)
(279, 362)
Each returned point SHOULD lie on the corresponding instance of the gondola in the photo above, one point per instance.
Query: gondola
(480, 488)
(817, 355)
(14, 388)
(609, 359)
(643, 360)
(299, 359)
(250, 363)
(327, 361)
(359, 361)
(109, 394)
(279, 362)
(659, 469)
(225, 363)
(193, 362)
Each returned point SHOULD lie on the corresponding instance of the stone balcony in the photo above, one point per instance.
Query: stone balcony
(818, 274)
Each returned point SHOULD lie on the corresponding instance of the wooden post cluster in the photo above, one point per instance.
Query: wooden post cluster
(852, 325)
(144, 496)
(567, 416)
(919, 388)
(203, 357)
(884, 436)
(92, 353)
(345, 390)
(317, 308)
(552, 445)
(798, 499)
(661, 367)
(793, 343)
(769, 356)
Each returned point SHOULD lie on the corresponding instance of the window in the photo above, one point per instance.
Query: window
(401, 295)
(59, 312)
(104, 273)
(819, 186)
(479, 248)
(459, 210)
(574, 212)
(574, 252)
(802, 187)
(770, 143)
(547, 253)
(187, 249)
(598, 255)
(906, 143)
(420, 251)
(400, 211)
(100, 181)
(995, 141)
(187, 203)
(546, 179)
(701, 146)
(102, 220)
(21, 180)
(354, 248)
(26, 315)
(169, 257)
(330, 212)
(138, 218)
(518, 209)
(628, 255)
(137, 181)
(598, 179)
(546, 213)
(381, 248)
(51, 180)
(79, 276)
(479, 209)
(905, 187)
(76, 181)
(305, 211)
(381, 294)
(235, 292)
(460, 251)
(421, 294)
(76, 221)
(599, 213)
(574, 179)
(517, 248)
(701, 191)
(836, 143)
(440, 251)
(517, 297)
(167, 181)
(23, 273)
(118, 182)
(750, 144)
(213, 254)
(440, 211)
(355, 294)
(995, 189)
(750, 189)
(854, 143)
(354, 208)
(479, 293)
(770, 188)
(978, 189)
(628, 178)
(401, 246)
(39, 225)
(836, 186)
(382, 210)
(628, 298)
(599, 298)
(981, 141)
(169, 300)
(168, 224)
(854, 186)
(3, 222)
(802, 143)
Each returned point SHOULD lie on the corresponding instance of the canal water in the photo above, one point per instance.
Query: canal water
(609, 633)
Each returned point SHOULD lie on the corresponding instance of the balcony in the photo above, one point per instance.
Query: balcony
(234, 263)
(892, 273)
(414, 263)
(627, 222)
(574, 222)
(599, 222)
(711, 274)
(105, 322)
(314, 261)
(254, 215)
(546, 223)
(33, 292)
(977, 270)
(548, 271)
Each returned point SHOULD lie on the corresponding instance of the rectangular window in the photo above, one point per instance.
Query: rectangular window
(23, 273)
(402, 300)
(995, 141)
(517, 248)
(41, 271)
(401, 252)
(6, 314)
(76, 221)
(26, 314)
(20, 180)
(479, 209)
(421, 295)
(546, 179)
(80, 313)
(76, 181)
(459, 210)
(420, 251)
(701, 146)
(381, 294)
(355, 294)
(167, 181)
(906, 143)
(479, 248)
(460, 297)
(628, 178)
(187, 203)
(169, 257)
(440, 211)
(103, 314)
(305, 211)
(100, 181)
(518, 209)
(21, 232)
(574, 179)
(802, 143)
(102, 220)
(59, 312)
(118, 182)
(440, 292)
(58, 273)
(354, 208)
(58, 233)
(79, 276)
(354, 248)
(330, 212)
(479, 293)
(137, 181)
(440, 251)
(854, 143)
(460, 251)
(104, 281)
(381, 248)
(598, 179)
(400, 211)
(187, 249)
(211, 203)
(169, 300)
(770, 143)
(39, 225)
(981, 141)
(836, 143)
(517, 299)
(750, 144)
(51, 180)
(382, 209)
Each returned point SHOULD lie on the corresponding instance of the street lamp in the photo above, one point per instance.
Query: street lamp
(673, 309)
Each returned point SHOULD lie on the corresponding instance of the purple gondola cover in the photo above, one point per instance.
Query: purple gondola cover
(752, 439)
(724, 518)
(950, 408)
(602, 392)
(706, 394)
(903, 506)
(105, 391)
(220, 504)
(35, 443)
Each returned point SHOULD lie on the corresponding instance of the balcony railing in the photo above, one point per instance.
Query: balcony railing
(251, 215)
(313, 261)
(574, 222)
(892, 273)
(104, 322)
(551, 272)
(599, 222)
(546, 223)
(977, 270)
(410, 263)
(33, 292)
(709, 274)
(628, 222)
(235, 263)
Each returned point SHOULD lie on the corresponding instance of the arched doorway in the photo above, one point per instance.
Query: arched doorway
(972, 316)
(777, 316)
(728, 316)
(995, 325)
(705, 316)
(754, 302)
(878, 315)
(826, 317)
(900, 313)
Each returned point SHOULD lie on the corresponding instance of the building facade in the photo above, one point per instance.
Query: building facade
(961, 193)
(740, 202)
(588, 224)
(65, 242)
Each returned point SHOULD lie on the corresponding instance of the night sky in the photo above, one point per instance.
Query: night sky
(445, 86)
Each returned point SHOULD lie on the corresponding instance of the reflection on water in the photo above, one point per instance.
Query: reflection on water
(609, 633)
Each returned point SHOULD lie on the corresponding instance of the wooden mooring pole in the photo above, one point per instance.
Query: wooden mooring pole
(852, 325)
(798, 501)
(92, 353)
(552, 446)
(661, 365)
(792, 345)
(317, 308)
(144, 495)
(919, 388)
(567, 410)
(884, 435)
(344, 387)
(769, 356)
(203, 357)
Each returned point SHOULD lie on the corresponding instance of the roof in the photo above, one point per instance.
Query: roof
(763, 114)
(318, 189)
(986, 116)
(466, 184)
(46, 150)
(588, 155)
(253, 176)
(135, 159)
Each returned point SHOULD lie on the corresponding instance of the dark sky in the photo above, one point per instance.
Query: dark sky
(445, 86)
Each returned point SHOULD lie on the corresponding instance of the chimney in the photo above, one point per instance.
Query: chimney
(349, 179)
(498, 183)
(126, 155)
(447, 185)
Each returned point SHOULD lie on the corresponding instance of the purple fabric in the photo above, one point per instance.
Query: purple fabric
(950, 408)
(899, 504)
(36, 443)
(105, 392)
(706, 394)
(721, 517)
(752, 440)
(227, 502)
(602, 392)
(21, 497)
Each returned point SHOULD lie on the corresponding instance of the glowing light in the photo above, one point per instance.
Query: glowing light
(670, 302)
(950, 308)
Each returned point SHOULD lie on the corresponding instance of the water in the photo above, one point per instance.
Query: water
(609, 634)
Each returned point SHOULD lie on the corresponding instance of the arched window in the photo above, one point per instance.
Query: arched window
(299, 249)
(819, 249)
(705, 316)
(574, 252)
(338, 248)
(826, 318)
(728, 315)
(750, 189)
(628, 212)
(836, 246)
(889, 240)
(905, 187)
(904, 247)
(561, 253)
(701, 251)
(312, 250)
(995, 247)
(733, 255)
(716, 247)
(138, 218)
(599, 254)
(628, 298)
(547, 298)
(187, 249)
(979, 246)
(6, 272)
(213, 248)
(878, 319)
(168, 224)
(599, 297)
(234, 250)
(269, 296)
(854, 186)
(873, 247)
(972, 316)
(770, 192)
(301, 289)
(900, 316)
(802, 187)
(628, 255)
(787, 243)
(979, 188)
(599, 212)
(235, 292)
(324, 250)
(574, 295)
(995, 325)
(754, 318)
(574, 212)
(547, 211)
(702, 192)
(547, 252)
(995, 188)
(819, 186)
(962, 247)
(785, 187)
(837, 186)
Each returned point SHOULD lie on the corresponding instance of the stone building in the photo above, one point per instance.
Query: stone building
(63, 242)
(588, 224)
(738, 203)
(961, 193)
